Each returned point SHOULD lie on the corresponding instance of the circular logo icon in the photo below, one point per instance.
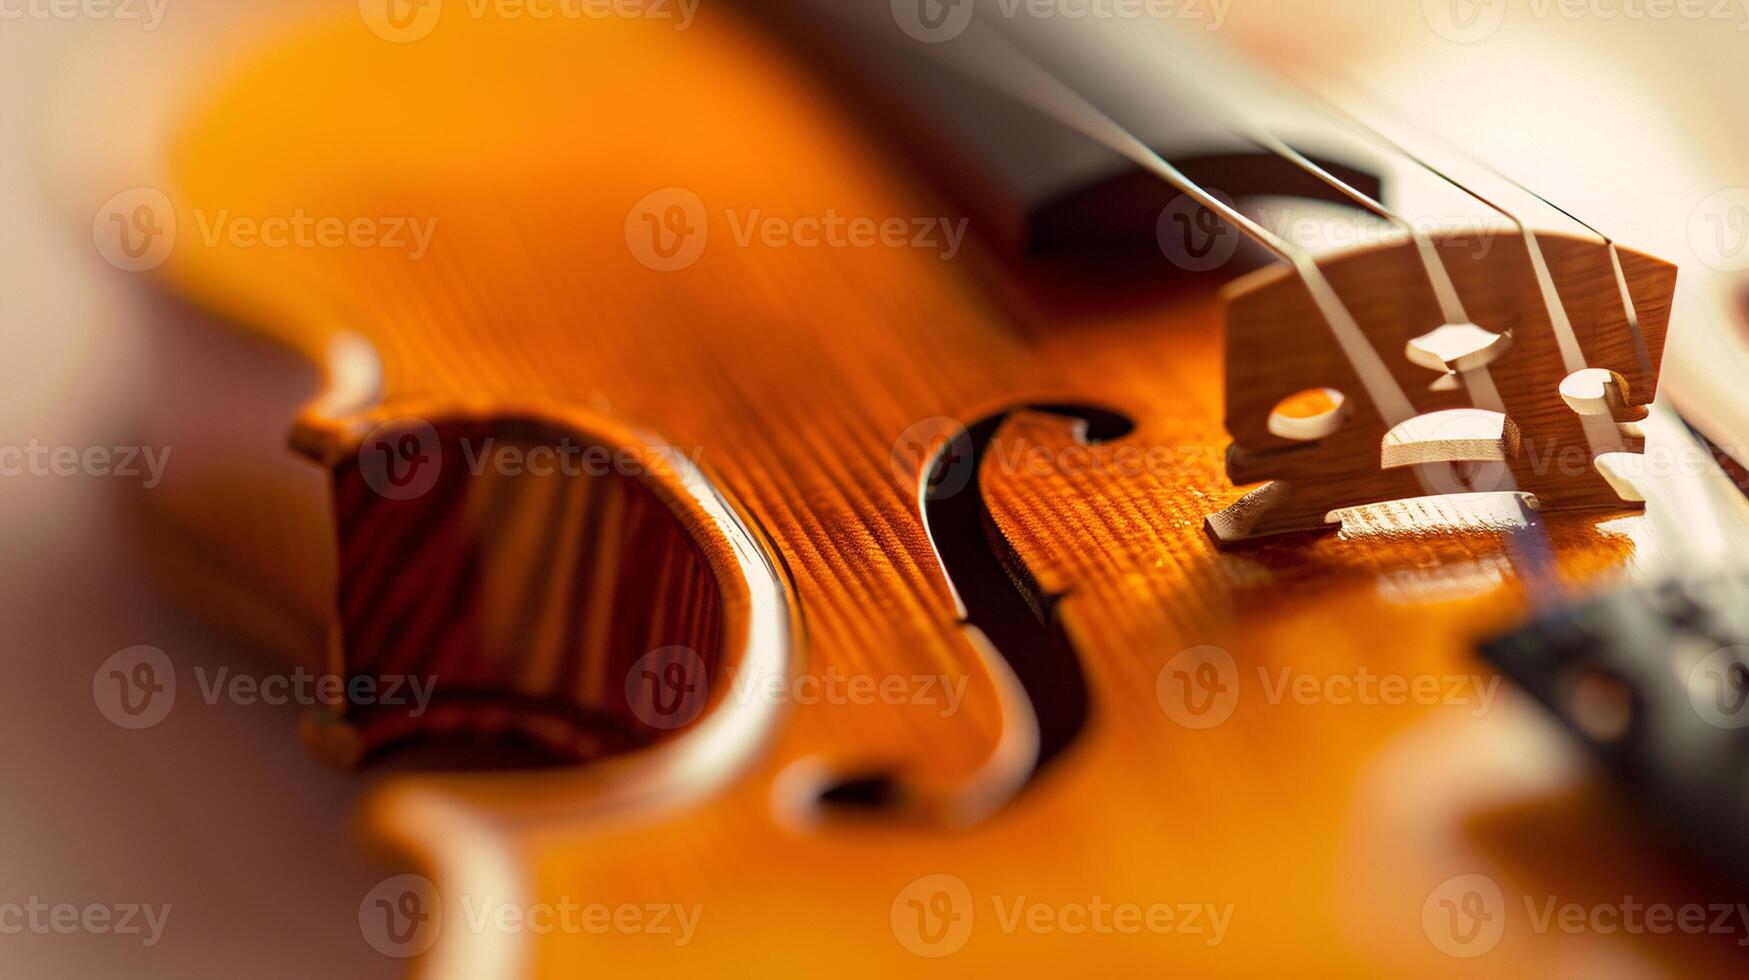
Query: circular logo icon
(1199, 687)
(401, 916)
(1464, 21)
(667, 230)
(135, 230)
(401, 458)
(1718, 230)
(400, 21)
(933, 21)
(1193, 238)
(1718, 687)
(932, 916)
(1465, 916)
(667, 687)
(136, 687)
(934, 455)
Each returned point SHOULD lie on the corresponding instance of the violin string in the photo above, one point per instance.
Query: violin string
(1641, 351)
(1451, 304)
(1680, 511)
(1433, 477)
(1602, 435)
(1477, 381)
(998, 61)
(1529, 548)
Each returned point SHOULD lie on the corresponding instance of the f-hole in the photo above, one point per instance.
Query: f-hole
(999, 594)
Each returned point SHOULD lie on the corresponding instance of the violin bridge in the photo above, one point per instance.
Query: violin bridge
(1538, 395)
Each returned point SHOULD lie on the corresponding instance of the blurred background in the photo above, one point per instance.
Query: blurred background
(218, 811)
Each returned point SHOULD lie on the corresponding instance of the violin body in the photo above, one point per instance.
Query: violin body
(657, 242)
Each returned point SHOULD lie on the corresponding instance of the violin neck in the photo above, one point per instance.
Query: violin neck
(1034, 183)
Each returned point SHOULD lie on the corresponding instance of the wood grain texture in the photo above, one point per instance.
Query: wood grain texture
(1324, 827)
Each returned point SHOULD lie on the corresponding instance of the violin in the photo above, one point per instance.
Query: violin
(924, 489)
